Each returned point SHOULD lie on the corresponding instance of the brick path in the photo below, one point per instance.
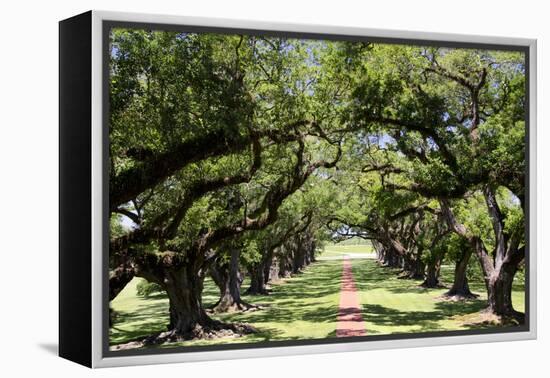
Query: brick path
(350, 321)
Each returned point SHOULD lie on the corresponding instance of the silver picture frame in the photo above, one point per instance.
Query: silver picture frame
(101, 358)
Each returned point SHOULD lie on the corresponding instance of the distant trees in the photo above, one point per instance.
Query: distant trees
(239, 155)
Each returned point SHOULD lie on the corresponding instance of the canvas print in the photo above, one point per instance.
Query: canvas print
(268, 189)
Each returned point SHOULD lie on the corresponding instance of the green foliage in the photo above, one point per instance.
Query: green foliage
(146, 289)
(411, 125)
(452, 247)
(116, 227)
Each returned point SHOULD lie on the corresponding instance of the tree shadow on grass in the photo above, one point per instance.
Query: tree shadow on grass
(384, 316)
(369, 275)
(300, 298)
(148, 318)
(324, 314)
(143, 312)
(414, 288)
(424, 321)
(135, 332)
(450, 308)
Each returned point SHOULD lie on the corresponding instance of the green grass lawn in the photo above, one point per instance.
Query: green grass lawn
(338, 250)
(393, 305)
(306, 306)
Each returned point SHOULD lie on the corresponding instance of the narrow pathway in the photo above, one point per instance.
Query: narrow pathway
(350, 321)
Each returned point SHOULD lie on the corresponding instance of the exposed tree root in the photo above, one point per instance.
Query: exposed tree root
(406, 275)
(234, 307)
(459, 295)
(487, 318)
(264, 291)
(512, 318)
(427, 285)
(214, 330)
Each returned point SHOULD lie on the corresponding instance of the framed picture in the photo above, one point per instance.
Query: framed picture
(233, 189)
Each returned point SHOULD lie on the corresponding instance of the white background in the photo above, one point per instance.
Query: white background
(29, 189)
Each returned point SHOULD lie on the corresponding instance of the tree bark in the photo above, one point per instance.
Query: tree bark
(394, 252)
(394, 259)
(303, 252)
(433, 270)
(187, 315)
(461, 288)
(413, 267)
(258, 278)
(285, 258)
(380, 252)
(308, 244)
(257, 281)
(285, 264)
(432, 274)
(312, 250)
(499, 291)
(229, 279)
(298, 258)
(499, 272)
(119, 278)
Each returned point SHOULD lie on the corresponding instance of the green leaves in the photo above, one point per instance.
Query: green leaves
(414, 124)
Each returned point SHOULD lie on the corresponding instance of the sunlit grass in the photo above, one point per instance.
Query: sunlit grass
(338, 250)
(393, 305)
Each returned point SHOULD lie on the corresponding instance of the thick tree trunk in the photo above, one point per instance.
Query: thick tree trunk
(432, 274)
(397, 252)
(307, 256)
(182, 277)
(379, 251)
(393, 260)
(229, 278)
(258, 275)
(284, 257)
(312, 250)
(388, 256)
(499, 271)
(257, 282)
(298, 256)
(188, 319)
(460, 288)
(307, 245)
(285, 266)
(413, 267)
(499, 290)
(184, 288)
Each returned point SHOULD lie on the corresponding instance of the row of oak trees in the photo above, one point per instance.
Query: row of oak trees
(233, 154)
